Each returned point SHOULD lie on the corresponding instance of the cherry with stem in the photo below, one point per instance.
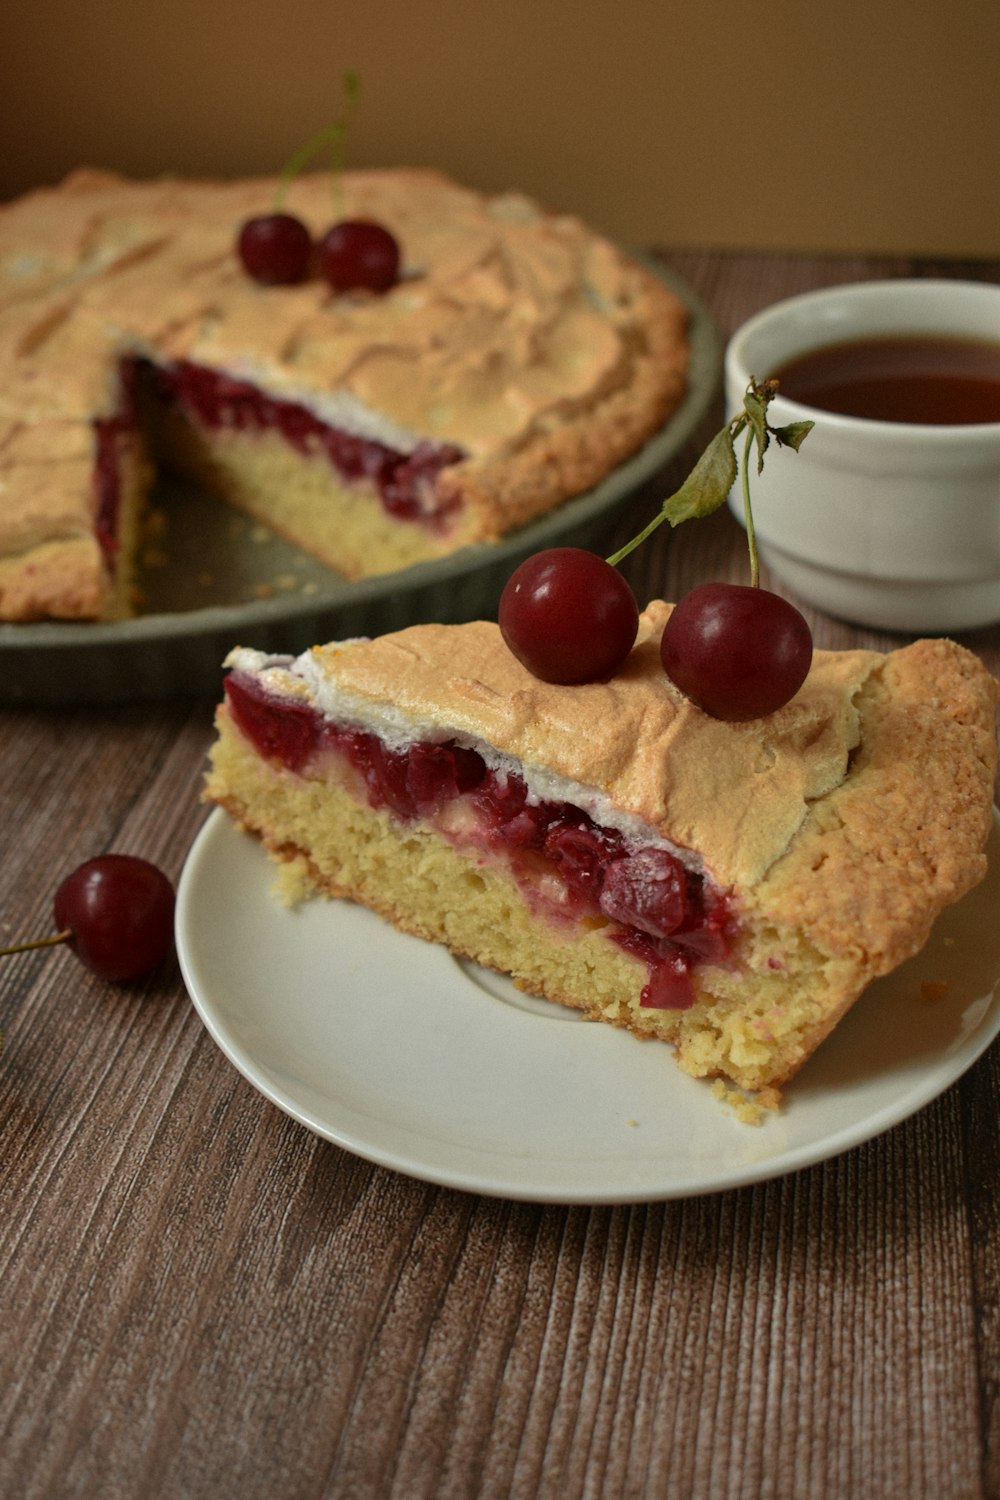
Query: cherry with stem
(277, 249)
(116, 913)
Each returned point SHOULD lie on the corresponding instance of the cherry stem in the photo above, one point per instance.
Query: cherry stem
(45, 942)
(714, 475)
(748, 511)
(333, 135)
(636, 541)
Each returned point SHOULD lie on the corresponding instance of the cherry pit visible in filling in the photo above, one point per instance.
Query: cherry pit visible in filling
(665, 914)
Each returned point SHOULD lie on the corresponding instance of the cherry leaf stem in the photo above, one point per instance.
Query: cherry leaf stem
(754, 415)
(45, 942)
(713, 476)
(704, 490)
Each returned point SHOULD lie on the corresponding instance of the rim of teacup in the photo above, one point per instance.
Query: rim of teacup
(899, 292)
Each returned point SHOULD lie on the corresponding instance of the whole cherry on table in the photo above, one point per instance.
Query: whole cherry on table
(116, 912)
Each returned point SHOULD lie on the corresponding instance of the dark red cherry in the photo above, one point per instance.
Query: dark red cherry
(119, 912)
(275, 249)
(357, 254)
(568, 616)
(737, 652)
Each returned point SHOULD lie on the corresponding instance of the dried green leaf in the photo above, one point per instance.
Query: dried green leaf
(708, 484)
(756, 411)
(713, 476)
(792, 435)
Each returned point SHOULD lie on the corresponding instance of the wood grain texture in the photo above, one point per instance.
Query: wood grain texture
(201, 1301)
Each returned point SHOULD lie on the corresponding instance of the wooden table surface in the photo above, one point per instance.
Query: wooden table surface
(201, 1300)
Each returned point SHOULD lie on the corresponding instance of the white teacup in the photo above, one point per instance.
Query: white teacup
(889, 524)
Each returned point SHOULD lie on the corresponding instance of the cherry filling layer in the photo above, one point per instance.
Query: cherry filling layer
(108, 433)
(404, 482)
(663, 913)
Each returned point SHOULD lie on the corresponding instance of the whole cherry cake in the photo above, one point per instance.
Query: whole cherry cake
(727, 887)
(508, 362)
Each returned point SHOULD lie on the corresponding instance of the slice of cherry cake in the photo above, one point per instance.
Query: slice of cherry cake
(729, 888)
(518, 359)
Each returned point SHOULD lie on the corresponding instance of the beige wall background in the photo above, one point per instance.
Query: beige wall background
(839, 126)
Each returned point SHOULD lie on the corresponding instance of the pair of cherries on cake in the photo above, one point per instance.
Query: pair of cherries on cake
(737, 651)
(277, 249)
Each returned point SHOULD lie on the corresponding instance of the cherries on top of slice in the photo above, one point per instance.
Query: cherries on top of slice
(277, 249)
(737, 652)
(568, 616)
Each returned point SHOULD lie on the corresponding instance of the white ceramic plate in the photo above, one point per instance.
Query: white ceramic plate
(397, 1052)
